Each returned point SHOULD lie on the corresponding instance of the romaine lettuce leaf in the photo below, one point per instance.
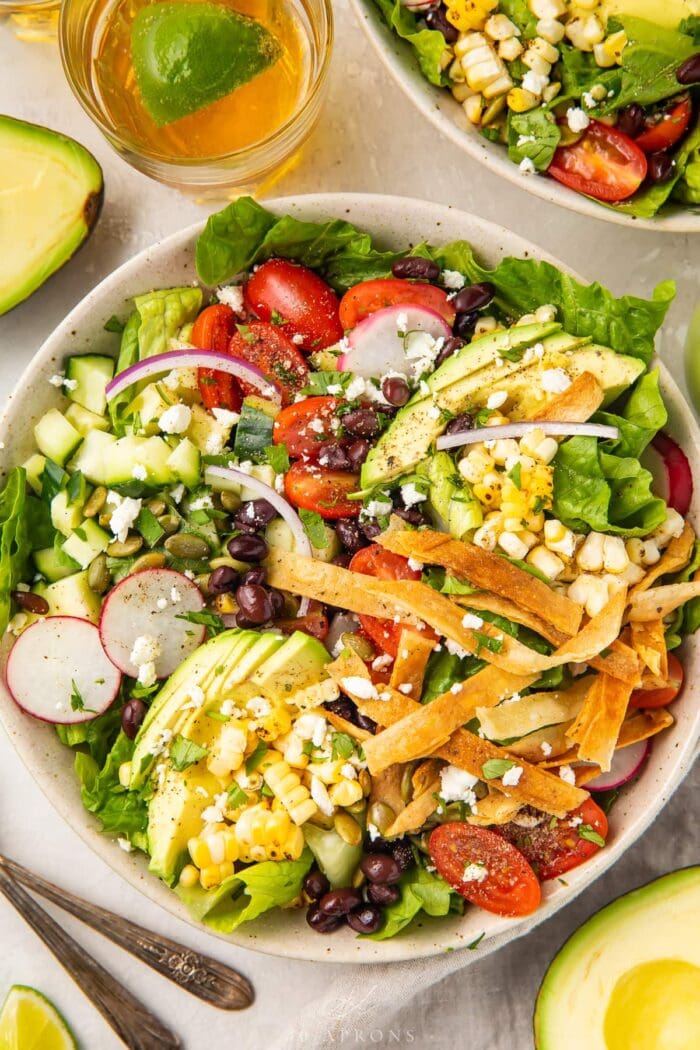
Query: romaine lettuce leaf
(162, 314)
(639, 420)
(421, 890)
(14, 540)
(686, 619)
(649, 62)
(684, 183)
(429, 44)
(533, 135)
(119, 811)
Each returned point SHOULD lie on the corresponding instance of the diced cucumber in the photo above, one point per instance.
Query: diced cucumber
(149, 405)
(106, 460)
(34, 468)
(279, 536)
(56, 438)
(93, 456)
(207, 433)
(86, 542)
(67, 513)
(91, 373)
(268, 408)
(185, 461)
(253, 433)
(73, 597)
(52, 565)
(84, 420)
(262, 472)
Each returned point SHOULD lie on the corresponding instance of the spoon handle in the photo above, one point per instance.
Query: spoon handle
(198, 974)
(134, 1024)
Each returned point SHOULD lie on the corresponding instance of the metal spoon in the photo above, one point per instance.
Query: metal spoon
(198, 974)
(136, 1026)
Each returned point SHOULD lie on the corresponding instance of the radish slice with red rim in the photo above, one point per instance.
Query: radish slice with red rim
(627, 761)
(151, 605)
(394, 340)
(679, 476)
(59, 672)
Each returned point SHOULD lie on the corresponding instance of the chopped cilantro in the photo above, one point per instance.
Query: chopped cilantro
(515, 475)
(342, 745)
(76, 701)
(496, 767)
(184, 753)
(236, 796)
(213, 623)
(314, 528)
(253, 761)
(585, 831)
(278, 458)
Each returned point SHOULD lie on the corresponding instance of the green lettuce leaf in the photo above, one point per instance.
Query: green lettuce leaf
(639, 420)
(684, 183)
(97, 735)
(686, 619)
(444, 670)
(14, 540)
(162, 314)
(119, 811)
(538, 125)
(128, 356)
(520, 14)
(649, 62)
(429, 44)
(421, 890)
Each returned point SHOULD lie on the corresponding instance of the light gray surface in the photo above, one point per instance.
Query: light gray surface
(489, 1007)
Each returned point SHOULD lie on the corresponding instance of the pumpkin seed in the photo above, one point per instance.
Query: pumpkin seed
(406, 786)
(98, 576)
(104, 519)
(156, 507)
(358, 879)
(151, 560)
(131, 545)
(185, 545)
(365, 781)
(363, 648)
(230, 501)
(95, 502)
(169, 523)
(348, 829)
(381, 815)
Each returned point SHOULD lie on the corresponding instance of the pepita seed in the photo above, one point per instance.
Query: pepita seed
(98, 576)
(230, 501)
(357, 807)
(358, 879)
(95, 502)
(348, 829)
(131, 545)
(104, 519)
(150, 560)
(363, 648)
(156, 507)
(169, 523)
(365, 781)
(381, 815)
(185, 545)
(406, 786)
(232, 563)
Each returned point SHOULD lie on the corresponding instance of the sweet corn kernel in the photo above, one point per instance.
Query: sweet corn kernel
(528, 538)
(546, 313)
(614, 554)
(535, 522)
(540, 46)
(632, 574)
(551, 92)
(484, 73)
(514, 547)
(189, 876)
(586, 5)
(547, 8)
(456, 73)
(591, 592)
(125, 774)
(590, 554)
(510, 49)
(485, 324)
(546, 561)
(598, 92)
(550, 30)
(604, 56)
(215, 874)
(329, 772)
(650, 553)
(485, 538)
(476, 55)
(473, 106)
(462, 92)
(558, 538)
(521, 101)
(585, 32)
(500, 27)
(546, 450)
(670, 529)
(536, 63)
(345, 792)
(497, 88)
(503, 448)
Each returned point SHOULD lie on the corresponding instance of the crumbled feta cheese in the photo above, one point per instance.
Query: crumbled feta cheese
(555, 380)
(316, 426)
(412, 495)
(177, 493)
(402, 323)
(525, 140)
(546, 748)
(434, 412)
(360, 687)
(259, 707)
(225, 417)
(475, 872)
(454, 648)
(567, 774)
(373, 832)
(380, 662)
(575, 821)
(57, 380)
(231, 295)
(405, 688)
(348, 771)
(202, 791)
(421, 350)
(196, 694)
(214, 444)
(456, 688)
(320, 796)
(535, 82)
(297, 338)
(456, 785)
(424, 388)
(472, 622)
(335, 388)
(125, 845)
(213, 815)
(175, 596)
(176, 419)
(145, 648)
(139, 472)
(512, 776)
(311, 727)
(378, 508)
(527, 167)
(125, 513)
(577, 119)
(452, 279)
(227, 708)
(355, 388)
(416, 566)
(202, 503)
(70, 384)
(589, 100)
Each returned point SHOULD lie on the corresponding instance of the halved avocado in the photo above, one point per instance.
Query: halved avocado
(629, 978)
(51, 191)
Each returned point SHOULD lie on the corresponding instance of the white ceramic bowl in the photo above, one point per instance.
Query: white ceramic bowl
(395, 222)
(438, 105)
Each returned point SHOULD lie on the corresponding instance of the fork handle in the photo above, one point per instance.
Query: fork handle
(198, 974)
(136, 1026)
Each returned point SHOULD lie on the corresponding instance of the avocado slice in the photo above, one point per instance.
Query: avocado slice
(52, 190)
(334, 856)
(630, 976)
(300, 662)
(175, 816)
(486, 349)
(450, 501)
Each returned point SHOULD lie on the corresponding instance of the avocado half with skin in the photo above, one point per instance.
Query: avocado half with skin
(629, 978)
(51, 191)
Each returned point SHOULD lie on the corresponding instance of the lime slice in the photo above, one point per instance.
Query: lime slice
(187, 56)
(28, 1021)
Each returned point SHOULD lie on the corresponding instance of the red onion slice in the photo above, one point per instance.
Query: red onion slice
(159, 363)
(517, 430)
(215, 475)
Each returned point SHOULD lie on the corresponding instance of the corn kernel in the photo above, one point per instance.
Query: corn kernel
(468, 42)
(456, 73)
(503, 448)
(189, 876)
(497, 88)
(485, 324)
(546, 450)
(329, 772)
(632, 574)
(521, 101)
(587, 5)
(558, 538)
(591, 592)
(546, 313)
(540, 46)
(345, 792)
(500, 27)
(546, 561)
(125, 774)
(590, 554)
(477, 55)
(598, 92)
(604, 56)
(585, 32)
(485, 538)
(510, 49)
(482, 74)
(531, 439)
(547, 8)
(528, 538)
(551, 91)
(514, 547)
(462, 92)
(550, 30)
(670, 529)
(536, 63)
(535, 522)
(614, 554)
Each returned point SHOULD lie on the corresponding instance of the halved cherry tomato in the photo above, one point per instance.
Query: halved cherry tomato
(384, 565)
(508, 887)
(324, 491)
(305, 426)
(369, 296)
(212, 331)
(297, 298)
(667, 130)
(604, 164)
(645, 698)
(266, 346)
(556, 846)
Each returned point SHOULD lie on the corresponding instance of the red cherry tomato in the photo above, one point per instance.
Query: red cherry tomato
(266, 346)
(505, 882)
(369, 296)
(212, 331)
(646, 698)
(384, 565)
(667, 130)
(325, 491)
(305, 426)
(556, 846)
(297, 298)
(604, 164)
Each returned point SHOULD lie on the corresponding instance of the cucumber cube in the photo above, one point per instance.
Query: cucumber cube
(185, 463)
(86, 543)
(84, 420)
(73, 597)
(66, 515)
(56, 438)
(91, 373)
(34, 468)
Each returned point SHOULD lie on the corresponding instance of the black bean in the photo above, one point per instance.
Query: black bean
(380, 867)
(396, 390)
(460, 423)
(366, 723)
(334, 457)
(464, 325)
(403, 854)
(257, 575)
(31, 602)
(416, 268)
(437, 19)
(247, 547)
(316, 884)
(222, 580)
(473, 297)
(381, 893)
(361, 422)
(343, 560)
(366, 919)
(371, 529)
(340, 902)
(322, 923)
(450, 347)
(278, 604)
(357, 452)
(410, 514)
(689, 71)
(255, 605)
(631, 120)
(255, 514)
(348, 532)
(133, 713)
(660, 167)
(343, 708)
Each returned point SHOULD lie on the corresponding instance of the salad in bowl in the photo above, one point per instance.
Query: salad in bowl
(599, 96)
(355, 584)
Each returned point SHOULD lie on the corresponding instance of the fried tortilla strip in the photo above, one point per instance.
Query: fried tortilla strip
(386, 788)
(349, 728)
(484, 601)
(577, 403)
(599, 721)
(649, 640)
(674, 558)
(424, 774)
(411, 662)
(660, 601)
(641, 725)
(495, 809)
(416, 812)
(517, 718)
(487, 571)
(553, 738)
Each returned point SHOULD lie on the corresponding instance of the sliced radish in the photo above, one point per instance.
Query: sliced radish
(59, 672)
(679, 477)
(147, 605)
(626, 762)
(389, 340)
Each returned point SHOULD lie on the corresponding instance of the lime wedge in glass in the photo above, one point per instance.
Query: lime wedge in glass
(28, 1021)
(187, 56)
